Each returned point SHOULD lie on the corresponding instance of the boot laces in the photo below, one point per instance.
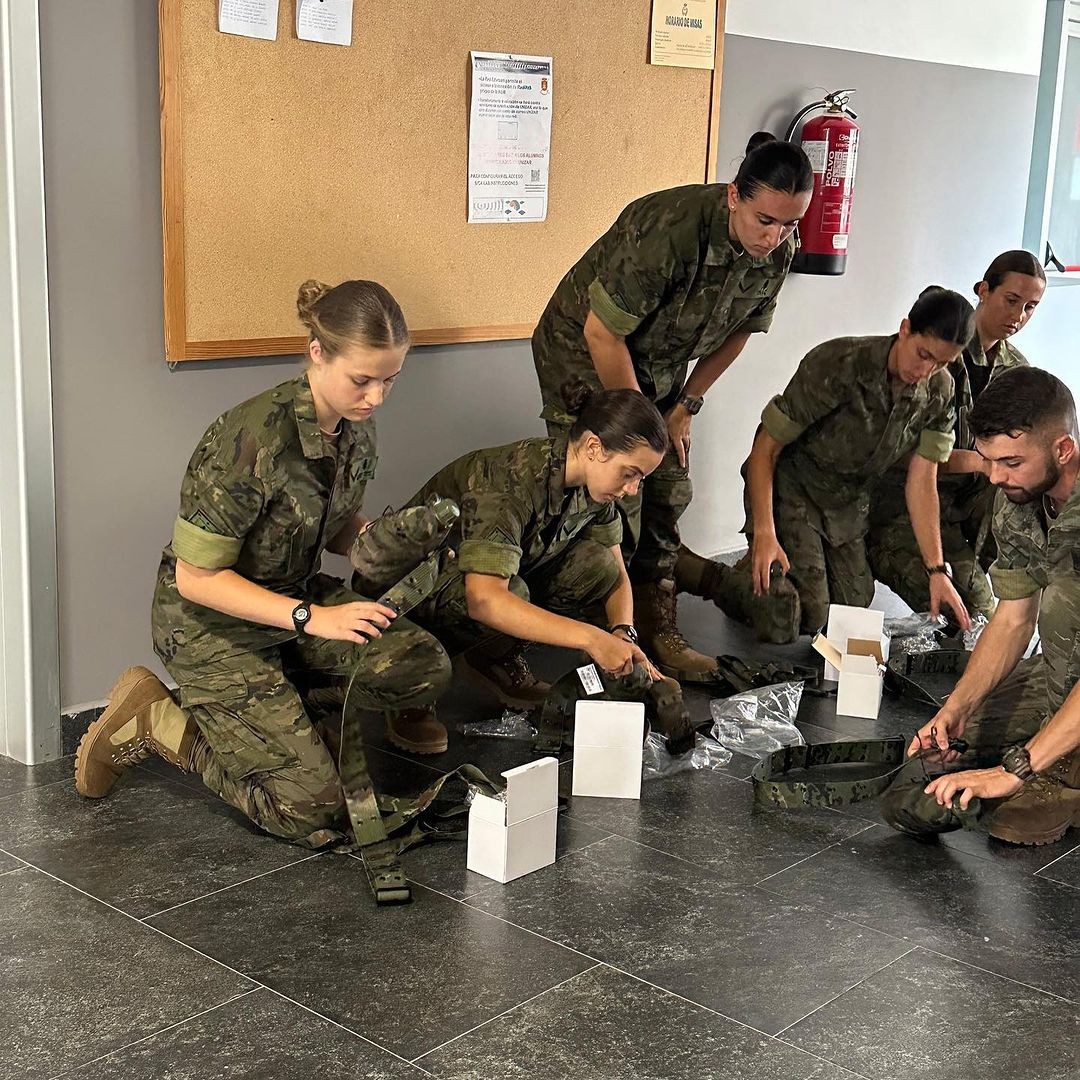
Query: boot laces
(133, 752)
(670, 634)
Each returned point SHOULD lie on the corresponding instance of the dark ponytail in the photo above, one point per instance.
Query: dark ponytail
(1017, 261)
(943, 314)
(621, 419)
(781, 166)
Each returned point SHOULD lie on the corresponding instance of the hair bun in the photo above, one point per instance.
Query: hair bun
(576, 394)
(759, 138)
(309, 294)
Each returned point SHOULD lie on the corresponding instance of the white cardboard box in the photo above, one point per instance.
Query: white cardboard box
(607, 749)
(859, 623)
(515, 834)
(861, 674)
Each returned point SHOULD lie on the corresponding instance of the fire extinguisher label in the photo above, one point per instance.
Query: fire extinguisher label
(817, 150)
(839, 242)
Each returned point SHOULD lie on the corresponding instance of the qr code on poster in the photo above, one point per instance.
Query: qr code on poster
(535, 176)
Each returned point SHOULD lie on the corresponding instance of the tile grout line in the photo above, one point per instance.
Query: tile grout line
(828, 847)
(234, 885)
(497, 1016)
(355, 1034)
(36, 787)
(1071, 851)
(154, 1034)
(998, 975)
(837, 997)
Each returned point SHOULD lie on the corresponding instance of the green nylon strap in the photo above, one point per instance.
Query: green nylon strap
(770, 785)
(734, 674)
(901, 669)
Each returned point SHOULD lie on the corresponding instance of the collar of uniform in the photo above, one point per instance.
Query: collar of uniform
(307, 422)
(975, 353)
(902, 390)
(1068, 515)
(722, 252)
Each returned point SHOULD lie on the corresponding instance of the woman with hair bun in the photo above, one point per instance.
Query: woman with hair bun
(1009, 292)
(683, 275)
(538, 555)
(242, 618)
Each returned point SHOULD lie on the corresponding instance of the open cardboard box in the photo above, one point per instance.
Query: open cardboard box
(514, 834)
(856, 663)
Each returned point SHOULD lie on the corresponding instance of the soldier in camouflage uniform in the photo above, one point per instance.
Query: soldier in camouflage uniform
(685, 274)
(1021, 718)
(242, 617)
(854, 407)
(1008, 295)
(538, 556)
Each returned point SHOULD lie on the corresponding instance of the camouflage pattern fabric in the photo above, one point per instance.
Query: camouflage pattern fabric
(967, 501)
(575, 586)
(841, 424)
(263, 494)
(667, 278)
(1037, 554)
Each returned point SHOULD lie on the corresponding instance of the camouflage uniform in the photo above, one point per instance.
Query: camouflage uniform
(842, 423)
(520, 522)
(667, 278)
(262, 495)
(1036, 554)
(967, 501)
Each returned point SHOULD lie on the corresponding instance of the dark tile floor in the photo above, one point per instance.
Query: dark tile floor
(691, 935)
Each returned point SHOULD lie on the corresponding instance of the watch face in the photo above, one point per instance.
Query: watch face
(302, 614)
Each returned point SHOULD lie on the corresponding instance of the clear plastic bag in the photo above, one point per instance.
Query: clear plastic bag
(757, 722)
(916, 633)
(978, 625)
(512, 724)
(658, 763)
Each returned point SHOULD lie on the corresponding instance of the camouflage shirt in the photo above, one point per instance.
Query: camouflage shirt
(516, 511)
(667, 278)
(263, 494)
(957, 491)
(1038, 552)
(843, 422)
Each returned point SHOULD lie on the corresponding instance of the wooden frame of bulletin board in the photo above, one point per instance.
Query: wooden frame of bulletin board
(285, 160)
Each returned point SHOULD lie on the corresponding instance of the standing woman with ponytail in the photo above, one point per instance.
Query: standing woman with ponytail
(685, 274)
(242, 617)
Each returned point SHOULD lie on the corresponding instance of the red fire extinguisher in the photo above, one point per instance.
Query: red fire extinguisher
(831, 142)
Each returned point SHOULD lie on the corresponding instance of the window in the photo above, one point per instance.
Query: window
(1052, 221)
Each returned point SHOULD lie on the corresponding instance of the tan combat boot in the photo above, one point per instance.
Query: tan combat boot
(419, 731)
(655, 616)
(1039, 813)
(508, 676)
(774, 618)
(141, 719)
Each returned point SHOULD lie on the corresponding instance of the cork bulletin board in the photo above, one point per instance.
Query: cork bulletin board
(284, 160)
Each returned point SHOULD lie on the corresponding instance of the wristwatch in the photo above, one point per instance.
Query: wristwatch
(628, 630)
(1017, 761)
(301, 616)
(691, 404)
(941, 568)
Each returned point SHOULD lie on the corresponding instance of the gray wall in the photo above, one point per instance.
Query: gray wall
(935, 199)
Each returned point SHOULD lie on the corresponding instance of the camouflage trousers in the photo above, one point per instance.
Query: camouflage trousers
(575, 585)
(897, 562)
(258, 710)
(1010, 715)
(650, 519)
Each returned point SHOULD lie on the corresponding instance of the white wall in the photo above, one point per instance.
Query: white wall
(998, 35)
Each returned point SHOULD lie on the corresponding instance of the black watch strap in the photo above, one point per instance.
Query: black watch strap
(301, 616)
(628, 630)
(1017, 760)
(691, 404)
(941, 568)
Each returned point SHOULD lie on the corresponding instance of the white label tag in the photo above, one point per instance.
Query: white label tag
(817, 151)
(590, 680)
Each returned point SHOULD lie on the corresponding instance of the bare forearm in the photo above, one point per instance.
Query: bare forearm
(499, 609)
(610, 356)
(710, 368)
(342, 543)
(619, 606)
(232, 594)
(920, 491)
(1060, 736)
(760, 470)
(1000, 647)
(963, 461)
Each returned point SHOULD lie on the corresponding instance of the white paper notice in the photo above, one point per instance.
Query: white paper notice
(509, 137)
(328, 21)
(683, 33)
(249, 18)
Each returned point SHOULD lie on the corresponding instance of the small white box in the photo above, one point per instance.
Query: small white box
(607, 749)
(847, 623)
(515, 834)
(861, 674)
